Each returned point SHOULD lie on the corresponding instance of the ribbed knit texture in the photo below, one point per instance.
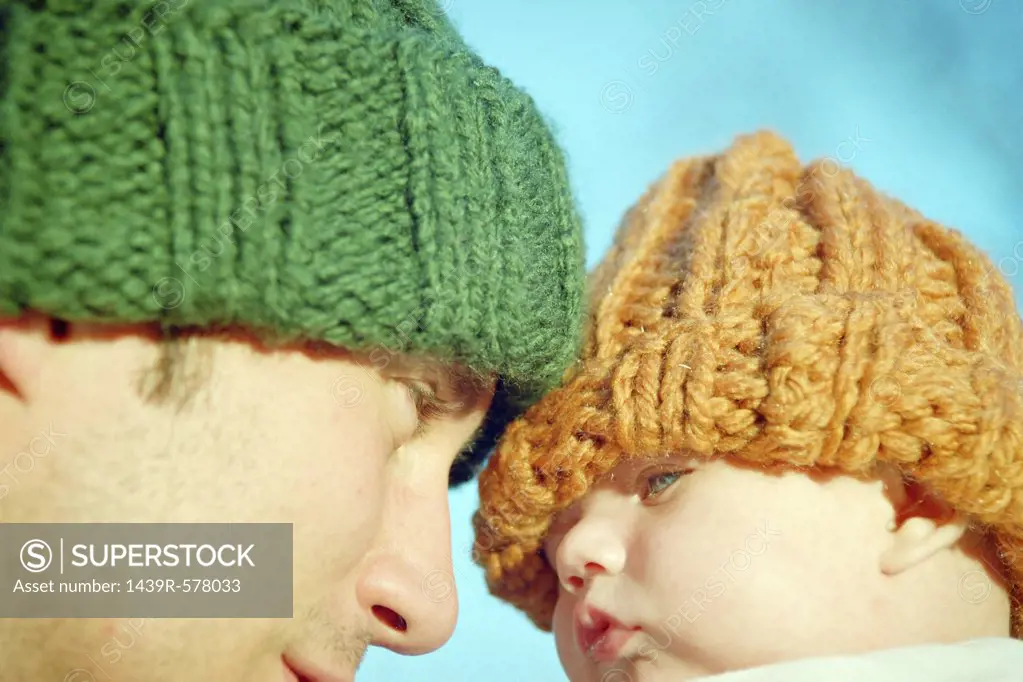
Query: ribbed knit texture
(344, 171)
(780, 314)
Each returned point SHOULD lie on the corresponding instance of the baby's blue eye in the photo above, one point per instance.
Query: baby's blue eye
(661, 482)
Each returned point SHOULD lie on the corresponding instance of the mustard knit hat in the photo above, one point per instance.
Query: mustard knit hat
(780, 314)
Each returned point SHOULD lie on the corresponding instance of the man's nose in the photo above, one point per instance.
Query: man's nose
(408, 584)
(594, 546)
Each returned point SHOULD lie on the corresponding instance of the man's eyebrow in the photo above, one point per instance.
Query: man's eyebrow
(455, 383)
(454, 390)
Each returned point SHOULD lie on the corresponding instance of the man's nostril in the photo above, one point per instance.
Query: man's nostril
(390, 618)
(575, 581)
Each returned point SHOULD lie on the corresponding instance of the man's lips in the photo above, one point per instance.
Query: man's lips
(599, 635)
(296, 671)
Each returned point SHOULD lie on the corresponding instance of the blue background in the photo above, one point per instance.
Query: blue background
(936, 86)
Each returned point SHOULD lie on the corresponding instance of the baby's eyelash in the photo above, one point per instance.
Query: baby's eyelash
(670, 475)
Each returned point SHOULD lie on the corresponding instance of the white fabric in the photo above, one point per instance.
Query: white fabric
(980, 660)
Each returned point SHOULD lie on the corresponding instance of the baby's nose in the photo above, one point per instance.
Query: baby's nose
(592, 547)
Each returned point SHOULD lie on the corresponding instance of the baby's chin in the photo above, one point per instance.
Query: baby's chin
(635, 670)
(642, 660)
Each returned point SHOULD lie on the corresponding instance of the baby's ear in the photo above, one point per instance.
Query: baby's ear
(924, 525)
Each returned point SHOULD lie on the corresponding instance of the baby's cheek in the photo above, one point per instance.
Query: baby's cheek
(562, 623)
(673, 564)
(562, 626)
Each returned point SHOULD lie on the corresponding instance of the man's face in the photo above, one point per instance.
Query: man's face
(674, 568)
(321, 441)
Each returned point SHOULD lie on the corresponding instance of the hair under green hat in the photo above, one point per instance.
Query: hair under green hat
(344, 171)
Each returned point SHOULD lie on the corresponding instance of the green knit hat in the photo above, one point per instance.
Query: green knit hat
(342, 171)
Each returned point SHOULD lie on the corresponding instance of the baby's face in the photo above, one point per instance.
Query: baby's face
(676, 568)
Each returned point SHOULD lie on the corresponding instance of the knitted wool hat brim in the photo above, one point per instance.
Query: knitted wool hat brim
(339, 171)
(781, 314)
